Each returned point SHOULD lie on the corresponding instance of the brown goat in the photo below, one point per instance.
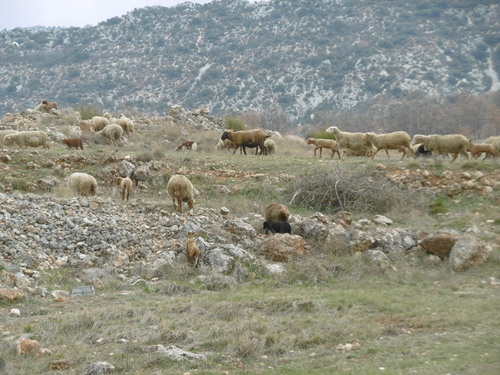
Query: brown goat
(188, 145)
(192, 250)
(73, 142)
(47, 106)
(126, 185)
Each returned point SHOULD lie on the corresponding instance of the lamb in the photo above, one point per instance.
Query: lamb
(224, 145)
(126, 186)
(443, 144)
(495, 142)
(420, 150)
(181, 190)
(73, 142)
(277, 227)
(32, 138)
(242, 137)
(192, 250)
(276, 212)
(399, 140)
(270, 146)
(352, 141)
(113, 132)
(82, 183)
(477, 149)
(188, 145)
(324, 143)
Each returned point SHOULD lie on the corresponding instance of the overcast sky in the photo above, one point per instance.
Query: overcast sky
(67, 13)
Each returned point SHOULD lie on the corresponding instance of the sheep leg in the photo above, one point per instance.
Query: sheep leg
(179, 201)
(378, 149)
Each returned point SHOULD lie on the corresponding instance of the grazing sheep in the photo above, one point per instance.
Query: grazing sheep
(270, 146)
(444, 144)
(181, 190)
(126, 185)
(324, 143)
(277, 227)
(73, 142)
(82, 183)
(495, 142)
(351, 141)
(32, 138)
(96, 123)
(248, 137)
(126, 123)
(113, 132)
(3, 133)
(399, 140)
(192, 250)
(276, 212)
(225, 144)
(188, 145)
(477, 150)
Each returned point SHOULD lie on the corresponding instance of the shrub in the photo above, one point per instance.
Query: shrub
(88, 111)
(234, 124)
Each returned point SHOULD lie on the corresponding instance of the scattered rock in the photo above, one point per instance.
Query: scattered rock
(439, 243)
(177, 354)
(99, 368)
(468, 251)
(281, 247)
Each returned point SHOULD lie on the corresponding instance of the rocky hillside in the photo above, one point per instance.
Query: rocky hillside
(298, 55)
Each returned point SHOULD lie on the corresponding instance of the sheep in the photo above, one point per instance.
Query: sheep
(73, 142)
(3, 133)
(192, 250)
(32, 138)
(126, 186)
(241, 137)
(188, 145)
(49, 105)
(225, 144)
(324, 143)
(420, 150)
(399, 140)
(477, 149)
(352, 141)
(96, 123)
(126, 123)
(270, 146)
(495, 142)
(113, 132)
(181, 190)
(276, 212)
(82, 183)
(277, 227)
(443, 144)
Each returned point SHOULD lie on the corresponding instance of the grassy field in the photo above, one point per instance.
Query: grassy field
(418, 317)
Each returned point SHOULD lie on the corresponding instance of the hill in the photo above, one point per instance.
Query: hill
(299, 56)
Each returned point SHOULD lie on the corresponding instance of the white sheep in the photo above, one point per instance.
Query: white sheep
(181, 190)
(3, 133)
(113, 132)
(351, 141)
(270, 146)
(399, 140)
(225, 144)
(324, 143)
(495, 142)
(444, 144)
(32, 138)
(97, 123)
(82, 183)
(477, 149)
(126, 123)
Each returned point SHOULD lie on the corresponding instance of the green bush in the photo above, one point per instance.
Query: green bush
(88, 111)
(234, 124)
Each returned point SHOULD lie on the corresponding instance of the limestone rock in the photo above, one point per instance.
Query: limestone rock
(281, 247)
(439, 243)
(468, 251)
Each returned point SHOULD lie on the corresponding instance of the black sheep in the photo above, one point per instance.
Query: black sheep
(277, 227)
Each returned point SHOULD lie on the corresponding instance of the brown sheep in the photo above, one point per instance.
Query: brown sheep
(188, 145)
(276, 212)
(73, 142)
(48, 105)
(192, 250)
(324, 143)
(126, 185)
(245, 138)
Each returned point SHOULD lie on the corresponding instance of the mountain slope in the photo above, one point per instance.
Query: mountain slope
(302, 55)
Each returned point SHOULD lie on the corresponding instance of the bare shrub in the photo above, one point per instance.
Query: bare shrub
(343, 188)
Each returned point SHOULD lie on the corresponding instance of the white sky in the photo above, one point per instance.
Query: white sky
(67, 13)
